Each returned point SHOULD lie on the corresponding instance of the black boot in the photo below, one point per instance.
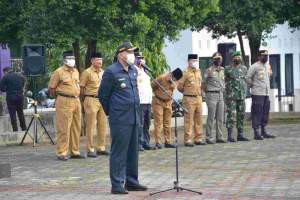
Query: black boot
(265, 134)
(241, 136)
(230, 136)
(257, 136)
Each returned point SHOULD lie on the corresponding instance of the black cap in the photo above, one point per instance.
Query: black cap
(96, 55)
(192, 56)
(177, 74)
(263, 52)
(125, 46)
(68, 53)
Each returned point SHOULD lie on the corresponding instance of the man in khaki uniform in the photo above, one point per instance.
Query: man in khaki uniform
(162, 107)
(89, 84)
(190, 86)
(64, 84)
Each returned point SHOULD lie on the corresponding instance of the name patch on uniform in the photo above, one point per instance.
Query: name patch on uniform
(121, 79)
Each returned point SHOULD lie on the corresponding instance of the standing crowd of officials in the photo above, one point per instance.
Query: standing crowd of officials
(124, 95)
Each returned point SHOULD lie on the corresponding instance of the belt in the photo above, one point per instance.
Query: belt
(212, 91)
(66, 95)
(187, 95)
(164, 100)
(94, 96)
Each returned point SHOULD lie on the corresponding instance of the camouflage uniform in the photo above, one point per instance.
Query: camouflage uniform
(235, 94)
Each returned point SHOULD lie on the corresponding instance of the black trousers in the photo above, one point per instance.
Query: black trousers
(260, 111)
(144, 135)
(15, 106)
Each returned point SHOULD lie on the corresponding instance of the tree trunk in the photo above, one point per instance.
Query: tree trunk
(76, 49)
(254, 43)
(91, 48)
(240, 36)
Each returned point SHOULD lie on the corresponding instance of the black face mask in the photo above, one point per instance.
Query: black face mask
(217, 62)
(237, 62)
(264, 59)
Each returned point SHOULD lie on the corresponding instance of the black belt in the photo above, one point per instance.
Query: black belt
(212, 91)
(66, 95)
(164, 100)
(187, 95)
(94, 96)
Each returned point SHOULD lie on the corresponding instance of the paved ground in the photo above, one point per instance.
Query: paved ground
(268, 169)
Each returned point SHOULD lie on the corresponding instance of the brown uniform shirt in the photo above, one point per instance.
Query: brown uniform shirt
(170, 87)
(190, 83)
(65, 80)
(90, 79)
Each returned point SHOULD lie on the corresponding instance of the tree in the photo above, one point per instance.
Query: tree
(253, 19)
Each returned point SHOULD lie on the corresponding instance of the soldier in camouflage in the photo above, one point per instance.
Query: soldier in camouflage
(235, 94)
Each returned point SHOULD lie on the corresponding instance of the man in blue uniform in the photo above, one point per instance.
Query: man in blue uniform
(118, 94)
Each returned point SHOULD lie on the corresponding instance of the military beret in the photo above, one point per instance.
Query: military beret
(68, 53)
(192, 56)
(96, 55)
(177, 74)
(125, 46)
(236, 53)
(263, 52)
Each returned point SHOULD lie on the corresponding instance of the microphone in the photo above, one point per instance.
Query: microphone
(147, 68)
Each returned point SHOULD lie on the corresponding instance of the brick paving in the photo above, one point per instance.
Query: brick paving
(268, 169)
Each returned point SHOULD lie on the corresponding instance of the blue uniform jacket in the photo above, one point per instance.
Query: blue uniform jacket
(118, 94)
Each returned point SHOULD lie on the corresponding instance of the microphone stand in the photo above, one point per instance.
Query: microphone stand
(178, 106)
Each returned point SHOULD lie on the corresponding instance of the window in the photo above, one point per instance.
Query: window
(275, 65)
(289, 79)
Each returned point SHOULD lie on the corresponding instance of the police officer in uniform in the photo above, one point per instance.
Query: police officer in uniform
(214, 85)
(64, 84)
(162, 107)
(235, 94)
(94, 114)
(13, 84)
(118, 94)
(190, 86)
(145, 94)
(258, 79)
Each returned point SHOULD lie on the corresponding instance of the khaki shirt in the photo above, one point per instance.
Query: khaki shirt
(258, 78)
(190, 83)
(169, 86)
(90, 79)
(65, 80)
(214, 79)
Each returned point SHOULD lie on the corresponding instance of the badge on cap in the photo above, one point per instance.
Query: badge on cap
(123, 85)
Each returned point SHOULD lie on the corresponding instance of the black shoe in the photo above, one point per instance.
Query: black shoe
(200, 143)
(167, 145)
(158, 146)
(149, 147)
(92, 154)
(136, 187)
(103, 153)
(141, 148)
(265, 134)
(208, 141)
(188, 144)
(220, 141)
(119, 191)
(77, 157)
(257, 136)
(241, 137)
(62, 158)
(230, 137)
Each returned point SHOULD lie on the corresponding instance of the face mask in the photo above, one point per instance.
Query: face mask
(264, 59)
(217, 62)
(70, 62)
(195, 64)
(130, 59)
(237, 62)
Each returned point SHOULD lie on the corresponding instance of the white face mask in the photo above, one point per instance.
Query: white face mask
(70, 62)
(195, 64)
(130, 59)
